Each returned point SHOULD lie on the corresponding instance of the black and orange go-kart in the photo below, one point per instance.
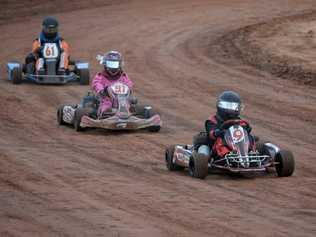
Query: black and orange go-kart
(49, 72)
(126, 114)
(241, 156)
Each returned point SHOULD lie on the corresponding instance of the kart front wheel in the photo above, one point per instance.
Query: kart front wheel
(17, 75)
(285, 164)
(144, 111)
(79, 113)
(171, 166)
(198, 166)
(84, 76)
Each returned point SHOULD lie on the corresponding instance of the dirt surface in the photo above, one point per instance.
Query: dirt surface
(56, 182)
(284, 46)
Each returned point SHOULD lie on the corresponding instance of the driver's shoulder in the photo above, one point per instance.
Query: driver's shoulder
(242, 119)
(124, 75)
(63, 41)
(212, 119)
(36, 43)
(243, 122)
(100, 75)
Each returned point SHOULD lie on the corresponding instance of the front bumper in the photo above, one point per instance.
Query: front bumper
(116, 123)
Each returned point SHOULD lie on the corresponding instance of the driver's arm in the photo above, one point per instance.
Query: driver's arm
(246, 126)
(210, 127)
(36, 47)
(127, 81)
(66, 50)
(99, 83)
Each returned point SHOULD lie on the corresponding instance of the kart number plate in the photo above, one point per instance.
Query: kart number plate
(50, 50)
(120, 89)
(237, 134)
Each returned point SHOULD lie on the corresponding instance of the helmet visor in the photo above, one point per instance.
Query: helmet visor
(112, 64)
(229, 105)
(51, 30)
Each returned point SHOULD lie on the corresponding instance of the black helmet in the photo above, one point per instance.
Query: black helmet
(228, 105)
(112, 62)
(50, 27)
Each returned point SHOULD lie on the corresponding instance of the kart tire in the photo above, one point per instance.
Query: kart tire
(60, 115)
(198, 166)
(169, 160)
(148, 115)
(154, 128)
(140, 111)
(17, 75)
(79, 113)
(84, 76)
(285, 163)
(200, 139)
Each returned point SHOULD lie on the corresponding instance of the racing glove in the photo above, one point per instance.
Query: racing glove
(218, 132)
(104, 92)
(248, 128)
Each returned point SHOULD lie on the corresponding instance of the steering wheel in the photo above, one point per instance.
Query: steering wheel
(229, 123)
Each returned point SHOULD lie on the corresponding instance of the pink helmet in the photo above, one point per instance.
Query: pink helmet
(112, 62)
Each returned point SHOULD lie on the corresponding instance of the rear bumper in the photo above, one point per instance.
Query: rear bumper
(51, 79)
(48, 79)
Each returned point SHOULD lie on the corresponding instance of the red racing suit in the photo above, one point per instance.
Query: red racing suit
(217, 144)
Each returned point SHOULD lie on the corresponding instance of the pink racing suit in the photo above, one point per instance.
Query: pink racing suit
(101, 81)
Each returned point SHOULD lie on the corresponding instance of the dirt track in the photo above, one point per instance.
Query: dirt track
(56, 182)
(284, 46)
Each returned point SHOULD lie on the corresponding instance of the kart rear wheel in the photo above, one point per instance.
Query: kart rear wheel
(60, 114)
(84, 76)
(285, 163)
(198, 166)
(171, 166)
(79, 113)
(154, 128)
(200, 139)
(17, 75)
(140, 110)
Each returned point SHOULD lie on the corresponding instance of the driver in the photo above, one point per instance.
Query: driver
(49, 34)
(112, 73)
(228, 107)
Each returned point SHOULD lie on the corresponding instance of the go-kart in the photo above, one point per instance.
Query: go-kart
(49, 72)
(241, 155)
(126, 114)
